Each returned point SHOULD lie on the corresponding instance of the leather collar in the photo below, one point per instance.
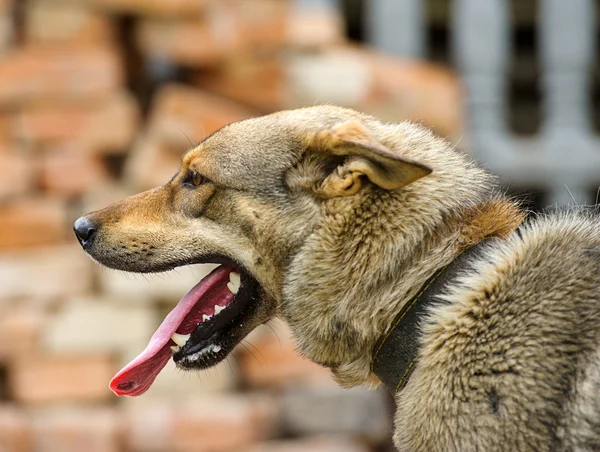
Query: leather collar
(396, 353)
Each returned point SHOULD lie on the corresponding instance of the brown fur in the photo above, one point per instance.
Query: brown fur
(341, 219)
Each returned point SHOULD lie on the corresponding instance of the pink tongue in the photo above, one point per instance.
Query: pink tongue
(137, 376)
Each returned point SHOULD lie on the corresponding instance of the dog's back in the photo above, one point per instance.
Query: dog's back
(511, 360)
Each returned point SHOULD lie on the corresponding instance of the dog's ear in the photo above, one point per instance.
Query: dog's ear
(361, 157)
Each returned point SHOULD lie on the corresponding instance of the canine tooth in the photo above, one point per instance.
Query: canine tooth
(218, 308)
(216, 348)
(180, 339)
(235, 278)
(233, 288)
(206, 317)
(175, 348)
(234, 282)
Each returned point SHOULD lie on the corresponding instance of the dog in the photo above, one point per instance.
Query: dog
(361, 234)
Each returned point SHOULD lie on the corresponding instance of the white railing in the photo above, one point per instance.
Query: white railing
(565, 153)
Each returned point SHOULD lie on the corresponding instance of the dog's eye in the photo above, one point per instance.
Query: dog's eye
(194, 179)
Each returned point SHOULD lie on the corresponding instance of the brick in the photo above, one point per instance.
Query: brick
(152, 8)
(201, 424)
(148, 426)
(320, 410)
(52, 22)
(114, 124)
(417, 90)
(260, 83)
(196, 113)
(175, 384)
(32, 222)
(6, 6)
(236, 423)
(169, 287)
(153, 161)
(36, 379)
(178, 113)
(312, 27)
(176, 40)
(24, 322)
(5, 126)
(270, 360)
(225, 29)
(71, 172)
(16, 173)
(41, 73)
(44, 274)
(6, 26)
(314, 444)
(76, 430)
(90, 324)
(109, 124)
(231, 28)
(391, 88)
(15, 430)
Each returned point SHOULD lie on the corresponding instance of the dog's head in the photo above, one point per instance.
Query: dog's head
(253, 197)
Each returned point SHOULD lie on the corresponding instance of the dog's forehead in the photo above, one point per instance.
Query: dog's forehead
(263, 148)
(244, 152)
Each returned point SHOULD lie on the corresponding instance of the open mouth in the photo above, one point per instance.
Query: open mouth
(198, 333)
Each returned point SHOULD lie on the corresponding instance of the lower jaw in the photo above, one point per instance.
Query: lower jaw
(204, 350)
(206, 357)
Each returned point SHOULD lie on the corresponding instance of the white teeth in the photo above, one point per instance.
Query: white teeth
(211, 348)
(233, 285)
(180, 339)
(234, 282)
(232, 288)
(235, 278)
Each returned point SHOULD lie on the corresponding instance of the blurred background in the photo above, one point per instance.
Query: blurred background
(99, 99)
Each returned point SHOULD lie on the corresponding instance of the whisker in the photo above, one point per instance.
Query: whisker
(257, 350)
(571, 194)
(230, 366)
(250, 351)
(274, 332)
(188, 138)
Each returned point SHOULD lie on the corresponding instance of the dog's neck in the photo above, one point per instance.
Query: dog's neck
(495, 218)
(338, 319)
(396, 353)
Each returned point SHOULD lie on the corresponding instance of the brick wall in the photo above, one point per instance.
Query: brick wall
(98, 99)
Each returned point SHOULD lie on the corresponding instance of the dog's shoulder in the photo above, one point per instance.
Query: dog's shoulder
(511, 335)
(543, 275)
(549, 251)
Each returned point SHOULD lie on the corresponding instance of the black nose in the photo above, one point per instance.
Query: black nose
(85, 230)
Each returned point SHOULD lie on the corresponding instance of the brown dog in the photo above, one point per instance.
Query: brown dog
(351, 230)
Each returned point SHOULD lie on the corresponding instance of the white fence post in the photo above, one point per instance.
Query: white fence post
(480, 47)
(331, 4)
(396, 26)
(567, 49)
